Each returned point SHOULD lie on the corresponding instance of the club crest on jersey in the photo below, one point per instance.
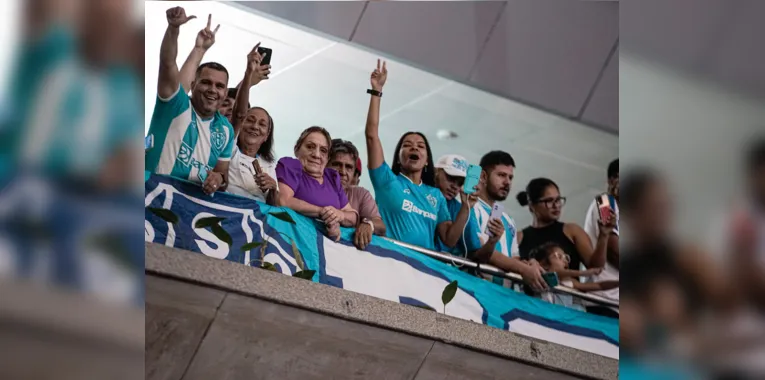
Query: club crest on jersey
(432, 200)
(218, 139)
(184, 154)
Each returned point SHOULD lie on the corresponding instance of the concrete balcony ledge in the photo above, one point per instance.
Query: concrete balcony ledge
(209, 318)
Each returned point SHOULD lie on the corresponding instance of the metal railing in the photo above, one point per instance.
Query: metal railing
(491, 270)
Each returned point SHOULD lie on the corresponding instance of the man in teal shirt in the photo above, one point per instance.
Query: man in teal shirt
(192, 140)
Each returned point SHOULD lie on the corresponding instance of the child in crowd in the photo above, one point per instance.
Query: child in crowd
(552, 258)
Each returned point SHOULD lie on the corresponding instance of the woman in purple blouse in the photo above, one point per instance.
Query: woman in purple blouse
(307, 186)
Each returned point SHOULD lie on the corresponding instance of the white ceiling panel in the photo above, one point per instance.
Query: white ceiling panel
(322, 81)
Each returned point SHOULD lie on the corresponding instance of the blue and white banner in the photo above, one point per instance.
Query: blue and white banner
(385, 270)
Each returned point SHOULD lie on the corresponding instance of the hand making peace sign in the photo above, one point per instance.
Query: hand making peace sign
(206, 36)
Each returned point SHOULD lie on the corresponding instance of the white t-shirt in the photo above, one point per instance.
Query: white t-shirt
(241, 175)
(592, 229)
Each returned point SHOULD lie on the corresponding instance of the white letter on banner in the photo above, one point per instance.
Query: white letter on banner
(389, 279)
(222, 248)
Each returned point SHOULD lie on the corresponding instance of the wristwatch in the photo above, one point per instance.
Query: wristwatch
(369, 222)
(375, 93)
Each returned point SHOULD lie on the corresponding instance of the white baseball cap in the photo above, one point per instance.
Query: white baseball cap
(453, 165)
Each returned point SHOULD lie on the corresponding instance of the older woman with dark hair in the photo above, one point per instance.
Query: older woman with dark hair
(307, 186)
(251, 171)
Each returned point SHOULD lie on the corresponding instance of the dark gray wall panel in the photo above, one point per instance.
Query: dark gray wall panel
(445, 36)
(549, 53)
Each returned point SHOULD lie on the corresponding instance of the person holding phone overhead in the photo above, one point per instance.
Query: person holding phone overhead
(414, 211)
(252, 171)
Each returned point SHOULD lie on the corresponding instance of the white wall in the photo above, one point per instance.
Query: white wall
(693, 130)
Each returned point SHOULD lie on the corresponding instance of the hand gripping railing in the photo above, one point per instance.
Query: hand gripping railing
(515, 278)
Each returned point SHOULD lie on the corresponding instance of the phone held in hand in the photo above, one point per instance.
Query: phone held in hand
(266, 53)
(471, 179)
(256, 166)
(496, 213)
(604, 207)
(551, 278)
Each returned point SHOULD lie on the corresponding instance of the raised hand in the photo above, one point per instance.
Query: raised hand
(607, 226)
(255, 70)
(177, 17)
(206, 36)
(379, 76)
(497, 229)
(468, 200)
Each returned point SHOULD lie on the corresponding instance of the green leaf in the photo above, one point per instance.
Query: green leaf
(298, 257)
(208, 222)
(283, 215)
(305, 274)
(221, 234)
(252, 245)
(426, 307)
(449, 292)
(269, 266)
(164, 214)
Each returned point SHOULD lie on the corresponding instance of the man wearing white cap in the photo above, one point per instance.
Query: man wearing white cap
(451, 170)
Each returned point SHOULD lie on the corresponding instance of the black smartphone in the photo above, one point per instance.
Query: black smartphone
(266, 54)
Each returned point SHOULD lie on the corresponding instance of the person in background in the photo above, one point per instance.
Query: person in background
(227, 107)
(552, 258)
(495, 241)
(545, 203)
(307, 186)
(192, 140)
(414, 211)
(357, 174)
(592, 228)
(254, 129)
(74, 94)
(746, 239)
(344, 157)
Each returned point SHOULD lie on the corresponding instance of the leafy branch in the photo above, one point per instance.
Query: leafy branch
(306, 274)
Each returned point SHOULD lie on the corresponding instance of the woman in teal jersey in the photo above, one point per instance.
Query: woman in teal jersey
(412, 208)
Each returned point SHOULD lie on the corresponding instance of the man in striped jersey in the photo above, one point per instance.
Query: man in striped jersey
(192, 140)
(495, 241)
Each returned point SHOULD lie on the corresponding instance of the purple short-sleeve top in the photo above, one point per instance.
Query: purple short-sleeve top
(289, 171)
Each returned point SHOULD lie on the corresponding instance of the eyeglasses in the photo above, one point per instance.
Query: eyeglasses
(562, 256)
(550, 202)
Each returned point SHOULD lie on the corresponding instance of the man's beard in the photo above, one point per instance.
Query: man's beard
(494, 195)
